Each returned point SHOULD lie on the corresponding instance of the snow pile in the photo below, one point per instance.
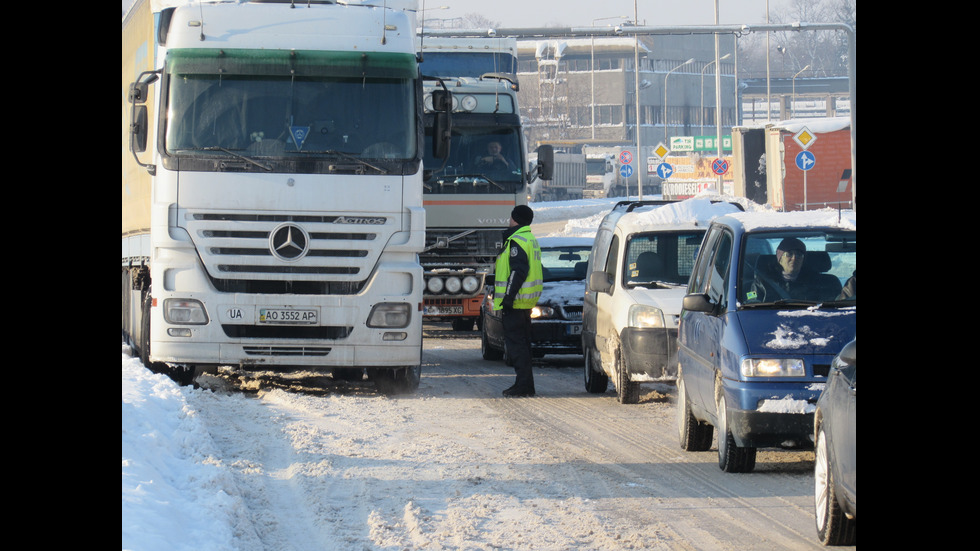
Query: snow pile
(174, 495)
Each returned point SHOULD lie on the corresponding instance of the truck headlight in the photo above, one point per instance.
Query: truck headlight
(183, 311)
(435, 285)
(471, 284)
(390, 314)
(453, 284)
(772, 367)
(644, 316)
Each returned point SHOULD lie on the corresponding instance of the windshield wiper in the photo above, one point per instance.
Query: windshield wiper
(238, 155)
(456, 179)
(796, 303)
(347, 156)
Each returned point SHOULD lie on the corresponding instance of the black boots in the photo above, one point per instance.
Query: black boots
(513, 391)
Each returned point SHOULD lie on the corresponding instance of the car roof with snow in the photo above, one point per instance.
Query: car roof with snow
(640, 216)
(564, 241)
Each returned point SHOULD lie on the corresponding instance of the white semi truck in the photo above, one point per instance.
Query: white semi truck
(468, 197)
(272, 187)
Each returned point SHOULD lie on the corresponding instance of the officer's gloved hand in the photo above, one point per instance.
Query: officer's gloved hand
(507, 304)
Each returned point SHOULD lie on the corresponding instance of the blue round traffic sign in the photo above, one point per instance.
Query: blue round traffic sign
(664, 170)
(626, 171)
(719, 166)
(805, 160)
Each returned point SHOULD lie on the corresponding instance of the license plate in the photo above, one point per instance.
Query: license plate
(287, 316)
(575, 329)
(442, 310)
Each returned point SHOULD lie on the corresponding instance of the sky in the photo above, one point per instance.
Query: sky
(582, 13)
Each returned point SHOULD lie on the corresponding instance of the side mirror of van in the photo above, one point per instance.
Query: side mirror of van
(599, 282)
(699, 303)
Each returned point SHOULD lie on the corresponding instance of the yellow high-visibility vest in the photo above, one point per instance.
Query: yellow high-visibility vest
(530, 290)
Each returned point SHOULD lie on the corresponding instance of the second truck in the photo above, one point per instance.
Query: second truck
(468, 197)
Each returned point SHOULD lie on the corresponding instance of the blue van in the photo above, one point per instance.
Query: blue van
(771, 301)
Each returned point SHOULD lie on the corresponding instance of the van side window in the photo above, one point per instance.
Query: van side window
(611, 258)
(719, 272)
(700, 269)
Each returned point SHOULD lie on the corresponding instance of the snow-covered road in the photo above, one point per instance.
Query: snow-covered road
(456, 466)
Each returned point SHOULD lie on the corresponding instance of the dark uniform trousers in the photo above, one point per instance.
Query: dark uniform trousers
(517, 334)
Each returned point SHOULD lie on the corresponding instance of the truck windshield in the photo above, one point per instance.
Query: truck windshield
(473, 65)
(798, 267)
(481, 160)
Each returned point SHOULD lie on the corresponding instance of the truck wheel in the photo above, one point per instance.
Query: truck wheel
(347, 374)
(627, 391)
(695, 436)
(596, 382)
(731, 457)
(463, 324)
(399, 380)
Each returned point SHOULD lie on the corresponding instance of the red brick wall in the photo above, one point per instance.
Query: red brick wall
(832, 151)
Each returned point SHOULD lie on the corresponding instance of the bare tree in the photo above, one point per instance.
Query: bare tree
(825, 52)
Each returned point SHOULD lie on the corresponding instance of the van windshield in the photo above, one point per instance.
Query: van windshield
(799, 266)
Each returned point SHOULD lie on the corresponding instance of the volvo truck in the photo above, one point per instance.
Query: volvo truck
(469, 196)
(272, 210)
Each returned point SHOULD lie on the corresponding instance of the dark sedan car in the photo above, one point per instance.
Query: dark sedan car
(556, 321)
(835, 472)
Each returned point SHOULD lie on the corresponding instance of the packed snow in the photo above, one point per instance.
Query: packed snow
(177, 492)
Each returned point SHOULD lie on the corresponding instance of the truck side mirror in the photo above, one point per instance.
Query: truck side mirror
(138, 129)
(442, 102)
(546, 162)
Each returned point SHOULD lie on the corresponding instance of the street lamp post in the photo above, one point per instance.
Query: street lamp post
(592, 66)
(666, 137)
(701, 116)
(792, 109)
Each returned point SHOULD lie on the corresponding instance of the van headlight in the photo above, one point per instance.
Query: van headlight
(772, 367)
(390, 314)
(644, 316)
(184, 311)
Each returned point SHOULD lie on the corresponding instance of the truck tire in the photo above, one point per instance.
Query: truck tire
(463, 324)
(398, 380)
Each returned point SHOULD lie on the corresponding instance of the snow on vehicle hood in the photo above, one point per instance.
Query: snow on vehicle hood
(563, 292)
(805, 331)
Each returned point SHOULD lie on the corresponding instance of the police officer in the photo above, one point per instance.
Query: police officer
(517, 287)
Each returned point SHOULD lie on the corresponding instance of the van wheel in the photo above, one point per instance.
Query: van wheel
(695, 436)
(596, 382)
(731, 457)
(627, 391)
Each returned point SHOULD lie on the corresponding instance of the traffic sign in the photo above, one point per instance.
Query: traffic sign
(805, 160)
(661, 150)
(626, 171)
(664, 170)
(626, 157)
(805, 138)
(719, 166)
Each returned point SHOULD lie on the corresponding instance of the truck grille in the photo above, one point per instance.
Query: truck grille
(445, 248)
(315, 254)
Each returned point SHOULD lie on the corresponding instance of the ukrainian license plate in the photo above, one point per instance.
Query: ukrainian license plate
(287, 316)
(575, 329)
